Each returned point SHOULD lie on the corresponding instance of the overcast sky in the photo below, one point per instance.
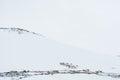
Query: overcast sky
(89, 24)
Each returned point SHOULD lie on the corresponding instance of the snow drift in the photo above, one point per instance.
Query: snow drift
(25, 50)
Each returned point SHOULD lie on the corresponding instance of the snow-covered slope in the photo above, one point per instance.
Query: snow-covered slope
(24, 50)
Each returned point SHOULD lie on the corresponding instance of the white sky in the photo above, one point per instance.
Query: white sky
(89, 24)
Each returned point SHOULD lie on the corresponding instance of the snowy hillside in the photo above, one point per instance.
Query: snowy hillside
(25, 50)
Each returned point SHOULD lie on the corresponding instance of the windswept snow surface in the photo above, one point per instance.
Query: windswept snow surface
(28, 51)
